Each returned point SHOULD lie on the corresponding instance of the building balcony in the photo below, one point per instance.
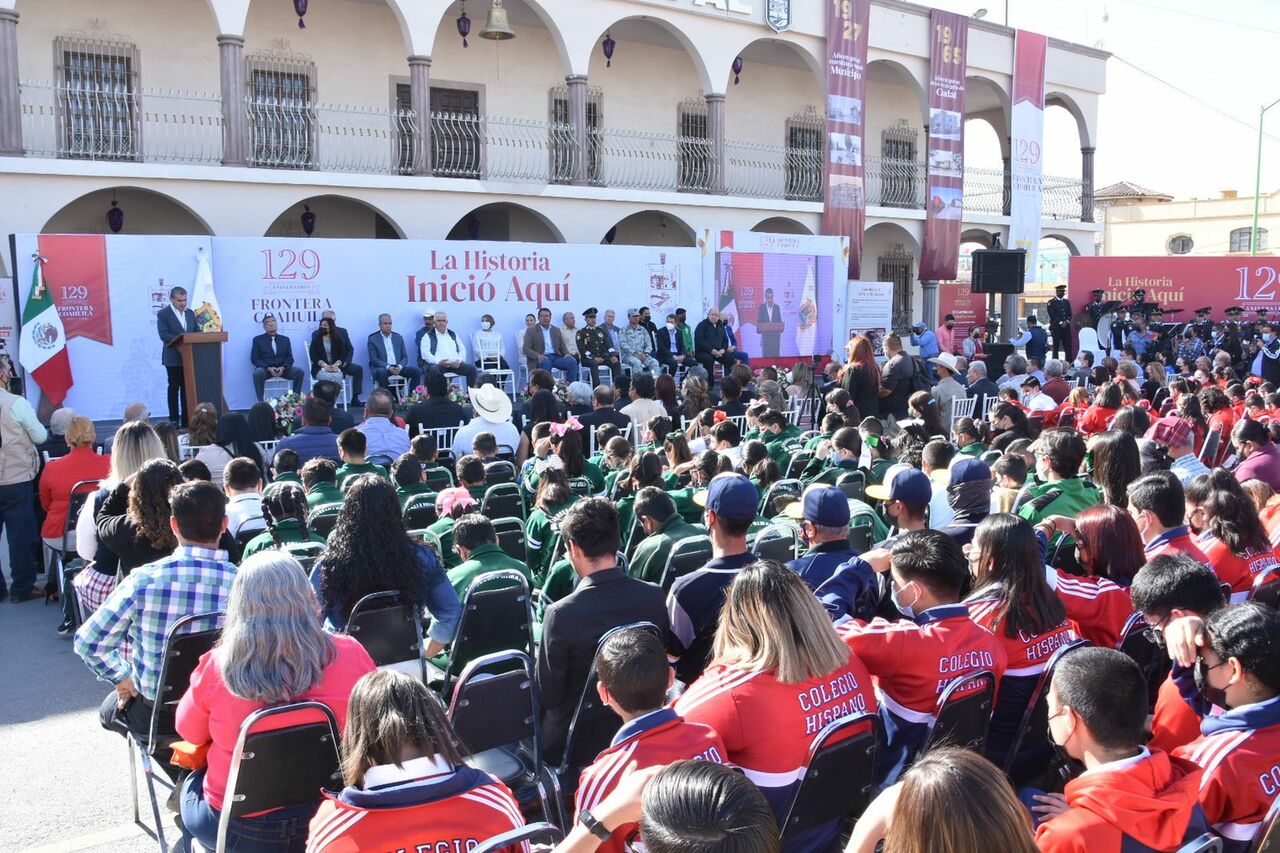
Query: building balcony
(170, 126)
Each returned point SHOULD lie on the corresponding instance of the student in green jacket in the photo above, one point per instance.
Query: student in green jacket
(351, 449)
(663, 528)
(779, 435)
(568, 441)
(319, 478)
(552, 499)
(834, 458)
(451, 504)
(606, 433)
(284, 469)
(427, 449)
(476, 543)
(646, 470)
(616, 461)
(705, 466)
(409, 478)
(965, 435)
(1059, 453)
(285, 511)
(471, 476)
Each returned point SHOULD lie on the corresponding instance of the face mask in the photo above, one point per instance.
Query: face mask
(1213, 695)
(904, 609)
(951, 325)
(486, 325)
(1266, 337)
(671, 327)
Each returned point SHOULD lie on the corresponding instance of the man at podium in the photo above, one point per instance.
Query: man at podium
(769, 325)
(171, 323)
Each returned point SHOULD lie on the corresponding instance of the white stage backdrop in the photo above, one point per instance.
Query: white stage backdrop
(108, 290)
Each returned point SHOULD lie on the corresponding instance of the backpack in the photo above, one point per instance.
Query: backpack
(920, 381)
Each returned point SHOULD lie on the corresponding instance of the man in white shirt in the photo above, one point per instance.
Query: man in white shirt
(643, 405)
(442, 349)
(242, 482)
(1034, 399)
(383, 439)
(493, 414)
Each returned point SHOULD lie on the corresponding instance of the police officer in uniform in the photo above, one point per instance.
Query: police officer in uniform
(1203, 325)
(1094, 309)
(596, 350)
(1252, 331)
(1060, 322)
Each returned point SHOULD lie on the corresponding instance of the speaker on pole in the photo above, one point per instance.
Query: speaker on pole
(999, 271)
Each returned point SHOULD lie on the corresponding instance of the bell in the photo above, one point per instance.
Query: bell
(497, 28)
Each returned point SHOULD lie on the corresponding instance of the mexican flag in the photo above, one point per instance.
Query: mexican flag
(43, 347)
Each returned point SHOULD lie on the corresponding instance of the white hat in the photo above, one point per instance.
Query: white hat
(491, 403)
(946, 360)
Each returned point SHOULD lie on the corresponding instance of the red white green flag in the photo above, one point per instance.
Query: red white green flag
(43, 348)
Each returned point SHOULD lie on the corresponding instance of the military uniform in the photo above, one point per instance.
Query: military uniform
(651, 555)
(1203, 325)
(593, 343)
(1094, 309)
(1060, 325)
(484, 559)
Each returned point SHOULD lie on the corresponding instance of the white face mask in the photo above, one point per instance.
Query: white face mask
(486, 325)
(671, 327)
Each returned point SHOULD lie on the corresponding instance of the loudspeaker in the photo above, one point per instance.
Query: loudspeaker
(999, 271)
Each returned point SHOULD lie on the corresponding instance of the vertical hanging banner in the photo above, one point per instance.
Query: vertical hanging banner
(1026, 166)
(947, 57)
(845, 210)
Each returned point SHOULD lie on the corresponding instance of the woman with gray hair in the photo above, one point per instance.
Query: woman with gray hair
(273, 650)
(580, 398)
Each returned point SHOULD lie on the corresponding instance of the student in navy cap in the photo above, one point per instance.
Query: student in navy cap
(907, 492)
(969, 496)
(823, 513)
(694, 602)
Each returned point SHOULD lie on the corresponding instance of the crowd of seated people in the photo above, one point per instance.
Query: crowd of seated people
(1088, 556)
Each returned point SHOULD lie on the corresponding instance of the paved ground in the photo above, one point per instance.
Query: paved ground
(66, 784)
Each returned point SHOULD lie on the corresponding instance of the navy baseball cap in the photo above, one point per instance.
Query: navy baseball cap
(730, 495)
(969, 470)
(909, 485)
(825, 506)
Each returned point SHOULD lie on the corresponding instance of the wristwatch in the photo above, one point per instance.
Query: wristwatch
(594, 826)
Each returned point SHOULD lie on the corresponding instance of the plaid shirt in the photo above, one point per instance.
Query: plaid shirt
(144, 607)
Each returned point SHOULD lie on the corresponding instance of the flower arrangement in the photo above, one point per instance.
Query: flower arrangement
(561, 391)
(419, 395)
(288, 411)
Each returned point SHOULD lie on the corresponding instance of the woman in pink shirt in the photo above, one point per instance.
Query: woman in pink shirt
(273, 651)
(1260, 458)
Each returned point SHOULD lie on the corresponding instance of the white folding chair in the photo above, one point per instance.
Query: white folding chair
(962, 407)
(276, 386)
(491, 364)
(399, 386)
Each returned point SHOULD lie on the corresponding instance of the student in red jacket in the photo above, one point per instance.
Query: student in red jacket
(1234, 541)
(1109, 549)
(1157, 503)
(1169, 588)
(1129, 798)
(1013, 601)
(778, 675)
(634, 678)
(407, 785)
(913, 660)
(1236, 667)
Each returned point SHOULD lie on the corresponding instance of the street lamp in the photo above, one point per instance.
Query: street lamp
(980, 14)
(1257, 180)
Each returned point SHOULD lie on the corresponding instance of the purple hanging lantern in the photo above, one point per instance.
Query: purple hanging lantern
(464, 24)
(300, 6)
(608, 45)
(115, 217)
(308, 220)
(737, 68)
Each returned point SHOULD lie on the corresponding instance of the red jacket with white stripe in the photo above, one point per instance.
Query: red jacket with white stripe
(912, 662)
(1240, 754)
(426, 806)
(1236, 569)
(768, 726)
(654, 739)
(1099, 607)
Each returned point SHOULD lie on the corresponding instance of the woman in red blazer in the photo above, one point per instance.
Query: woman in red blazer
(64, 472)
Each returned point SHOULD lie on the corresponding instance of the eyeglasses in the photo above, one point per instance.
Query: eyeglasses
(1155, 633)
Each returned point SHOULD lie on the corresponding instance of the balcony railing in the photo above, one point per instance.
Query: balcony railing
(152, 125)
(166, 126)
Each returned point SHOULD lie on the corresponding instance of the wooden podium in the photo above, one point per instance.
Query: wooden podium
(202, 367)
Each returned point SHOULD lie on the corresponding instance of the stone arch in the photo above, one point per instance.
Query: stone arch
(635, 24)
(781, 225)
(1069, 103)
(650, 228)
(336, 216)
(520, 12)
(145, 212)
(1064, 240)
(503, 222)
(775, 47)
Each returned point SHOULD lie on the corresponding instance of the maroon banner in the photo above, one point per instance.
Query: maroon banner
(947, 57)
(845, 210)
(76, 273)
(1180, 284)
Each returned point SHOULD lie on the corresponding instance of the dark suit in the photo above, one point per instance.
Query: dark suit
(378, 363)
(985, 390)
(434, 412)
(571, 631)
(663, 353)
(708, 336)
(343, 352)
(594, 418)
(168, 327)
(770, 342)
(266, 356)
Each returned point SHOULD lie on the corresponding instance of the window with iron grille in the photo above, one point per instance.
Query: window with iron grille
(694, 147)
(896, 265)
(899, 183)
(281, 107)
(98, 102)
(560, 137)
(405, 137)
(804, 155)
(1240, 239)
(456, 139)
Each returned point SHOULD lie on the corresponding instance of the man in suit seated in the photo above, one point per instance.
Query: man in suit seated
(272, 357)
(388, 356)
(602, 410)
(543, 346)
(437, 410)
(711, 344)
(171, 323)
(671, 350)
